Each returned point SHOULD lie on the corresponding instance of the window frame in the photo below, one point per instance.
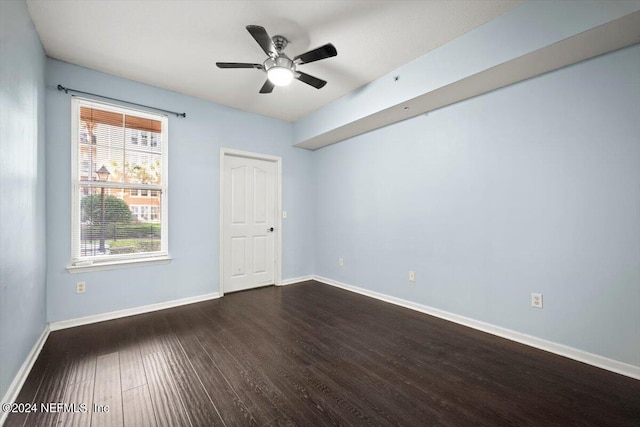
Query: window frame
(102, 262)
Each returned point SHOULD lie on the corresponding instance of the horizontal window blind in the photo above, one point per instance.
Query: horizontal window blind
(119, 183)
(96, 116)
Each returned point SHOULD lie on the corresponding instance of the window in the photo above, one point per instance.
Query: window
(113, 166)
(142, 193)
(145, 213)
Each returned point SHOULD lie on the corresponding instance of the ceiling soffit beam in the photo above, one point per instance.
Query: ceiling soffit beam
(622, 32)
(613, 35)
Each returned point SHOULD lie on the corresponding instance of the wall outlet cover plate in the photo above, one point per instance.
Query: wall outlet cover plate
(536, 300)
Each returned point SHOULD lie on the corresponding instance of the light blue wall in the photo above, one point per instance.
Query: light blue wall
(22, 169)
(194, 145)
(531, 188)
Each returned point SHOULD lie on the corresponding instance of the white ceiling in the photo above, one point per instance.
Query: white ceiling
(175, 44)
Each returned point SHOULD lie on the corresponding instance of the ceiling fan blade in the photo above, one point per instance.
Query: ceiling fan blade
(310, 80)
(267, 87)
(238, 65)
(326, 51)
(263, 39)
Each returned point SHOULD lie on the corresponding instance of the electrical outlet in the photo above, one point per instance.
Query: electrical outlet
(80, 287)
(340, 262)
(412, 276)
(536, 300)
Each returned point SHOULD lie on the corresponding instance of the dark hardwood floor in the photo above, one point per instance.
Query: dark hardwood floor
(312, 355)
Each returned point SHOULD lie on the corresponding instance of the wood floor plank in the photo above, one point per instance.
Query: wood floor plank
(137, 407)
(317, 406)
(302, 405)
(80, 396)
(302, 353)
(412, 378)
(420, 370)
(197, 402)
(311, 354)
(355, 372)
(244, 381)
(231, 408)
(294, 365)
(83, 368)
(53, 386)
(107, 396)
(131, 366)
(168, 407)
(308, 306)
(148, 335)
(493, 393)
(84, 351)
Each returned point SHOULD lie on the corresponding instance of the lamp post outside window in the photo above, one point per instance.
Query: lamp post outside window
(103, 176)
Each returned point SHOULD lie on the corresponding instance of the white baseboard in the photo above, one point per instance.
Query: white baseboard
(552, 347)
(21, 376)
(286, 282)
(64, 324)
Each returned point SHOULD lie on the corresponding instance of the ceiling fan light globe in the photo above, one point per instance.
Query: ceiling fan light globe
(280, 76)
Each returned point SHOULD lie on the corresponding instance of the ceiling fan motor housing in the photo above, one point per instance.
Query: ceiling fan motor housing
(280, 42)
(280, 70)
(281, 61)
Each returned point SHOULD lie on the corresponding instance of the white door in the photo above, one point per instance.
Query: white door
(249, 212)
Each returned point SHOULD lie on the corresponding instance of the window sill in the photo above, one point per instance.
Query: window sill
(114, 265)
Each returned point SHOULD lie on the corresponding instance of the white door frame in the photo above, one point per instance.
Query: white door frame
(226, 152)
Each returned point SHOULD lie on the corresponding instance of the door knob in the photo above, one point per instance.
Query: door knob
(270, 229)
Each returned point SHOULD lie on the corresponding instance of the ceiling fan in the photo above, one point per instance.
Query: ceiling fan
(280, 69)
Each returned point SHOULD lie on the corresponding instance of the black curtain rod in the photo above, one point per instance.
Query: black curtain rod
(67, 90)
